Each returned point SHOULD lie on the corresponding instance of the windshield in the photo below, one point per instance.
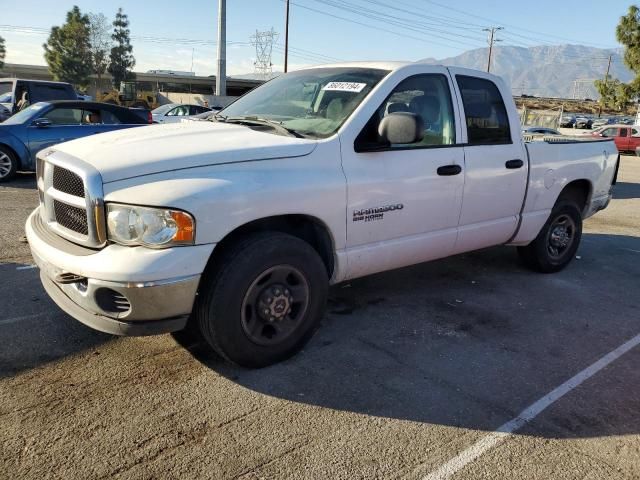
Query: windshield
(312, 103)
(163, 109)
(26, 114)
(6, 97)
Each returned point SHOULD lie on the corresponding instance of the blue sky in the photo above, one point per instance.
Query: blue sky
(321, 30)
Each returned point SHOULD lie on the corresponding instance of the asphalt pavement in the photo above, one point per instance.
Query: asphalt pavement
(412, 371)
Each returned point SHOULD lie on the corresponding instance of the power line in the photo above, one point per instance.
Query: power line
(546, 35)
(373, 27)
(407, 24)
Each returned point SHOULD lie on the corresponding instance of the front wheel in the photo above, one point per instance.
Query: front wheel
(263, 301)
(8, 164)
(557, 243)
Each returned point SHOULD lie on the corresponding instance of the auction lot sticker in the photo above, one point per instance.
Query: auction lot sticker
(344, 87)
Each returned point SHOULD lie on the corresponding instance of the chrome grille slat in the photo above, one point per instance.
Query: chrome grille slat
(66, 198)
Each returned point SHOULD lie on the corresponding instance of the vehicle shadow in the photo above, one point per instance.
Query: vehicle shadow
(626, 191)
(26, 180)
(471, 341)
(33, 330)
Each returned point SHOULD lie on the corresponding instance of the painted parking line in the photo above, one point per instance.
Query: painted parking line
(527, 415)
(26, 267)
(8, 321)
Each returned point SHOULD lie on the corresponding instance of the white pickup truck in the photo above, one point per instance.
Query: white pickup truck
(235, 228)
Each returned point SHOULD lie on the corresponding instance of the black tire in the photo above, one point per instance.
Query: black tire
(8, 164)
(229, 311)
(546, 254)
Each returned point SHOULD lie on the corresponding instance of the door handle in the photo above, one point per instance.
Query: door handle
(512, 164)
(449, 170)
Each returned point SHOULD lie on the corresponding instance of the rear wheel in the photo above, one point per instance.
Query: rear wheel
(264, 300)
(8, 164)
(557, 243)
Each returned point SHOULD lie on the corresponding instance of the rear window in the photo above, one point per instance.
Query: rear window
(42, 92)
(485, 112)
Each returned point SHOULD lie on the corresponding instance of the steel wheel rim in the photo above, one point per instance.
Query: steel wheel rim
(561, 236)
(5, 165)
(274, 305)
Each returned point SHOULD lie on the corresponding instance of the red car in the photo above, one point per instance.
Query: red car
(627, 137)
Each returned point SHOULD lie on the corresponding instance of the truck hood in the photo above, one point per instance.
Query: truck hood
(159, 148)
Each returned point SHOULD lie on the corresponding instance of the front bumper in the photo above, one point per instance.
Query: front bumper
(120, 307)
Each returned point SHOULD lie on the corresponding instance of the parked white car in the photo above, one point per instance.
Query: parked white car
(235, 228)
(174, 112)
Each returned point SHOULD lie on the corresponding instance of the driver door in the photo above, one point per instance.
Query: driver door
(404, 201)
(65, 125)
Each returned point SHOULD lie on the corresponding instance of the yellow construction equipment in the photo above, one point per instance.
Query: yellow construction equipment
(130, 96)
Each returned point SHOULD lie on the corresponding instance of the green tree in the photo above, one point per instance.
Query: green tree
(100, 40)
(121, 57)
(3, 52)
(628, 34)
(614, 94)
(67, 50)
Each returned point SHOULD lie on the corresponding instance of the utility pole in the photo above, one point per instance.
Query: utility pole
(606, 79)
(286, 40)
(221, 76)
(492, 40)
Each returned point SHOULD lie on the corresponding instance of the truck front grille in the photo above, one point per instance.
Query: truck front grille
(71, 195)
(70, 217)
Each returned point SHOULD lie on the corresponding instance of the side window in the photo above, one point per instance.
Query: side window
(42, 92)
(196, 110)
(485, 112)
(179, 111)
(623, 132)
(109, 118)
(64, 116)
(429, 97)
(634, 132)
(609, 132)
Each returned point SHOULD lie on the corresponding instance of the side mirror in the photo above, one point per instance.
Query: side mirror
(41, 122)
(401, 127)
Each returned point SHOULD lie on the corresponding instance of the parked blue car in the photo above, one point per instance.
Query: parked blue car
(44, 124)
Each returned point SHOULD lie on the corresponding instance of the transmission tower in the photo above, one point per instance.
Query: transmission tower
(582, 88)
(263, 41)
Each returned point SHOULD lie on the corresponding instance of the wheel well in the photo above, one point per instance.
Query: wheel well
(579, 191)
(305, 227)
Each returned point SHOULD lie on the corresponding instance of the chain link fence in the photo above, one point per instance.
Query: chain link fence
(540, 118)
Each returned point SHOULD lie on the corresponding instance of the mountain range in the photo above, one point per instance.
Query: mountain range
(546, 71)
(543, 71)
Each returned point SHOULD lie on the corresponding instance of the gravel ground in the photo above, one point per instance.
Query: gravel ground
(410, 368)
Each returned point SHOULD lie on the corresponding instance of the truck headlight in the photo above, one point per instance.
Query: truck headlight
(151, 227)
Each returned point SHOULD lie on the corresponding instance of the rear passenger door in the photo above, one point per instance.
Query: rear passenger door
(496, 163)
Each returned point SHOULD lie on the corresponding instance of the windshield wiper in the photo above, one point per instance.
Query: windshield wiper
(252, 120)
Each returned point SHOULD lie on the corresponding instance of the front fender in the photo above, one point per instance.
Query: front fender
(20, 149)
(225, 197)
